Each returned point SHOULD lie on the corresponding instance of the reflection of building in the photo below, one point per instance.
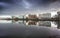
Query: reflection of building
(44, 23)
(31, 23)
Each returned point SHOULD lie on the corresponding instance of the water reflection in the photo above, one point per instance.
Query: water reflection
(40, 23)
(5, 21)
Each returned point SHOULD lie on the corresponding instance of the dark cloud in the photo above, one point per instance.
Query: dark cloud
(23, 5)
(4, 3)
(42, 2)
(7, 1)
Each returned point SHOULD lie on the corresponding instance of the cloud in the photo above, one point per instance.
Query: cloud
(25, 6)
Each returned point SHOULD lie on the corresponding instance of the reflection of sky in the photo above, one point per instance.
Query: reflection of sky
(18, 30)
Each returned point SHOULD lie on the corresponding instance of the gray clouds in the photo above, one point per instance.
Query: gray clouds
(26, 6)
(28, 2)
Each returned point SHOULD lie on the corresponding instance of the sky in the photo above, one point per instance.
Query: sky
(13, 7)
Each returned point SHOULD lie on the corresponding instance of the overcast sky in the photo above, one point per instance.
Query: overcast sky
(28, 6)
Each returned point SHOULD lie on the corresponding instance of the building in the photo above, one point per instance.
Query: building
(44, 15)
(31, 16)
